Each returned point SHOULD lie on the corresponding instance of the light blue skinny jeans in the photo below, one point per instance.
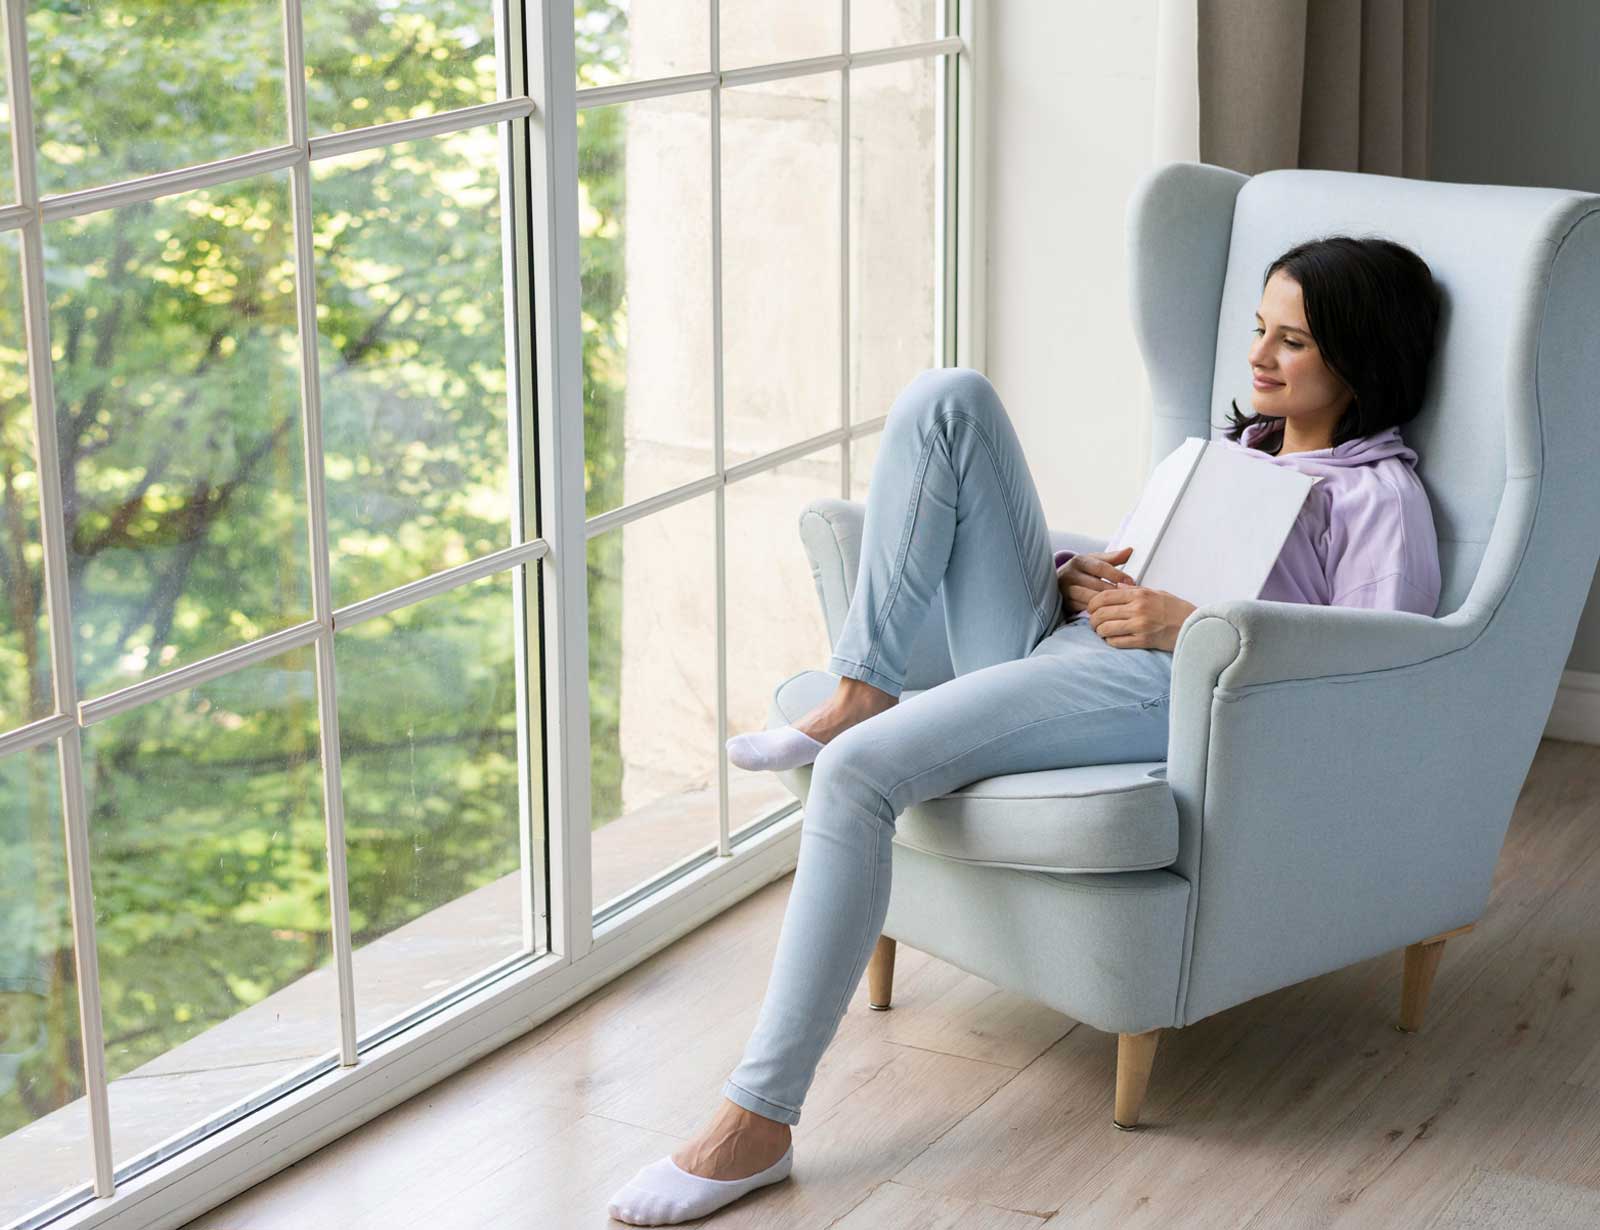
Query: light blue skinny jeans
(950, 500)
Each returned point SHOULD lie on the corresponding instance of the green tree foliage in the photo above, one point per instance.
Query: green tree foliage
(177, 386)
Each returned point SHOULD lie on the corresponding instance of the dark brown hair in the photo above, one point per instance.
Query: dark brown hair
(1373, 308)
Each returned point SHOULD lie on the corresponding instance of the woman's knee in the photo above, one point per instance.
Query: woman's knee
(939, 389)
(851, 764)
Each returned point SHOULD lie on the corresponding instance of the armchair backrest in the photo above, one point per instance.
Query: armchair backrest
(1202, 236)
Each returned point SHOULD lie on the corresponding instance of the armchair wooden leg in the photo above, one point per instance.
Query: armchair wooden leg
(1422, 960)
(880, 975)
(1135, 1054)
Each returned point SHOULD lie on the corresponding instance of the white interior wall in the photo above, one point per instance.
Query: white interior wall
(1071, 96)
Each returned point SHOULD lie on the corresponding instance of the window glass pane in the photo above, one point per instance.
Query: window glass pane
(8, 183)
(891, 23)
(775, 623)
(892, 256)
(123, 88)
(618, 42)
(24, 627)
(765, 31)
(652, 694)
(428, 738)
(211, 897)
(44, 1117)
(375, 61)
(172, 326)
(411, 320)
(780, 262)
(644, 216)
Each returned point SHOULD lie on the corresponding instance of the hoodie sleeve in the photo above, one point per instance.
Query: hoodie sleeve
(1386, 556)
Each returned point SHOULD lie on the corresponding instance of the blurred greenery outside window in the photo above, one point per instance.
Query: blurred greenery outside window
(175, 371)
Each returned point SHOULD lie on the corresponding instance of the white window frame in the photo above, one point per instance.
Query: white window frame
(577, 951)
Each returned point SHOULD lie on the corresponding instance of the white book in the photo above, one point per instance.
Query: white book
(1200, 499)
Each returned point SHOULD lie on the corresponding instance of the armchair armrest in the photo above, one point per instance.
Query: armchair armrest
(830, 531)
(1341, 782)
(1281, 642)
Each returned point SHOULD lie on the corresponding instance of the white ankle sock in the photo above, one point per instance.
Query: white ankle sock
(782, 747)
(663, 1193)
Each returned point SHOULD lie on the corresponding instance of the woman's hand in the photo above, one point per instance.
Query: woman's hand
(1087, 573)
(1134, 617)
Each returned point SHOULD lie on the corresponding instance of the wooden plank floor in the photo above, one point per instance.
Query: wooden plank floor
(969, 1107)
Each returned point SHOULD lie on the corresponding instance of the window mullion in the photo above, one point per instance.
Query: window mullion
(558, 372)
(968, 243)
(844, 249)
(74, 806)
(317, 528)
(944, 183)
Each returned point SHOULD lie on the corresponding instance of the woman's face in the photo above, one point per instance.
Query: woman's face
(1289, 378)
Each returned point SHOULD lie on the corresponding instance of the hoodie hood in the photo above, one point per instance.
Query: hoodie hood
(1364, 450)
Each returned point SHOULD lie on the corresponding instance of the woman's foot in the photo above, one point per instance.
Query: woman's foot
(789, 747)
(738, 1152)
(735, 1144)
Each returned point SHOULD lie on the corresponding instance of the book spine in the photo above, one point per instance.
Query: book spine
(1172, 511)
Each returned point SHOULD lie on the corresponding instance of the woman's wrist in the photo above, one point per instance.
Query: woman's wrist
(1175, 621)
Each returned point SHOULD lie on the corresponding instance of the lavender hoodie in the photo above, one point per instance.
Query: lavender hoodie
(1364, 536)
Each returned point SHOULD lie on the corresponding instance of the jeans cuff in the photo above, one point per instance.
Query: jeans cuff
(856, 670)
(741, 1096)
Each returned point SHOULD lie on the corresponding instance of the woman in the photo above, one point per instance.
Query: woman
(1055, 666)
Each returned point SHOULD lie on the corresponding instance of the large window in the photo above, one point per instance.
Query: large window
(405, 409)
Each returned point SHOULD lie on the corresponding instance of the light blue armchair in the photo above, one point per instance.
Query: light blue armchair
(1339, 781)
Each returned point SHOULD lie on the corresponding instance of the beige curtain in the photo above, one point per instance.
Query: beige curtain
(1339, 85)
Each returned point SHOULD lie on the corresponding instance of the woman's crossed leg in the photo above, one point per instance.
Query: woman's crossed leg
(951, 502)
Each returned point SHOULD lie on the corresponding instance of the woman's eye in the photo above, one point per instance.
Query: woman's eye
(1292, 345)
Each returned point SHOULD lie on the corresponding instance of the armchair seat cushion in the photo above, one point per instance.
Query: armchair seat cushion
(1091, 818)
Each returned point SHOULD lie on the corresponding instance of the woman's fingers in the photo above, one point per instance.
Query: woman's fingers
(1122, 634)
(1082, 593)
(1098, 581)
(1102, 569)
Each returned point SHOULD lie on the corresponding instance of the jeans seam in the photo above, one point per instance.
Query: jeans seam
(1011, 520)
(901, 552)
(1010, 514)
(874, 840)
(1010, 734)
